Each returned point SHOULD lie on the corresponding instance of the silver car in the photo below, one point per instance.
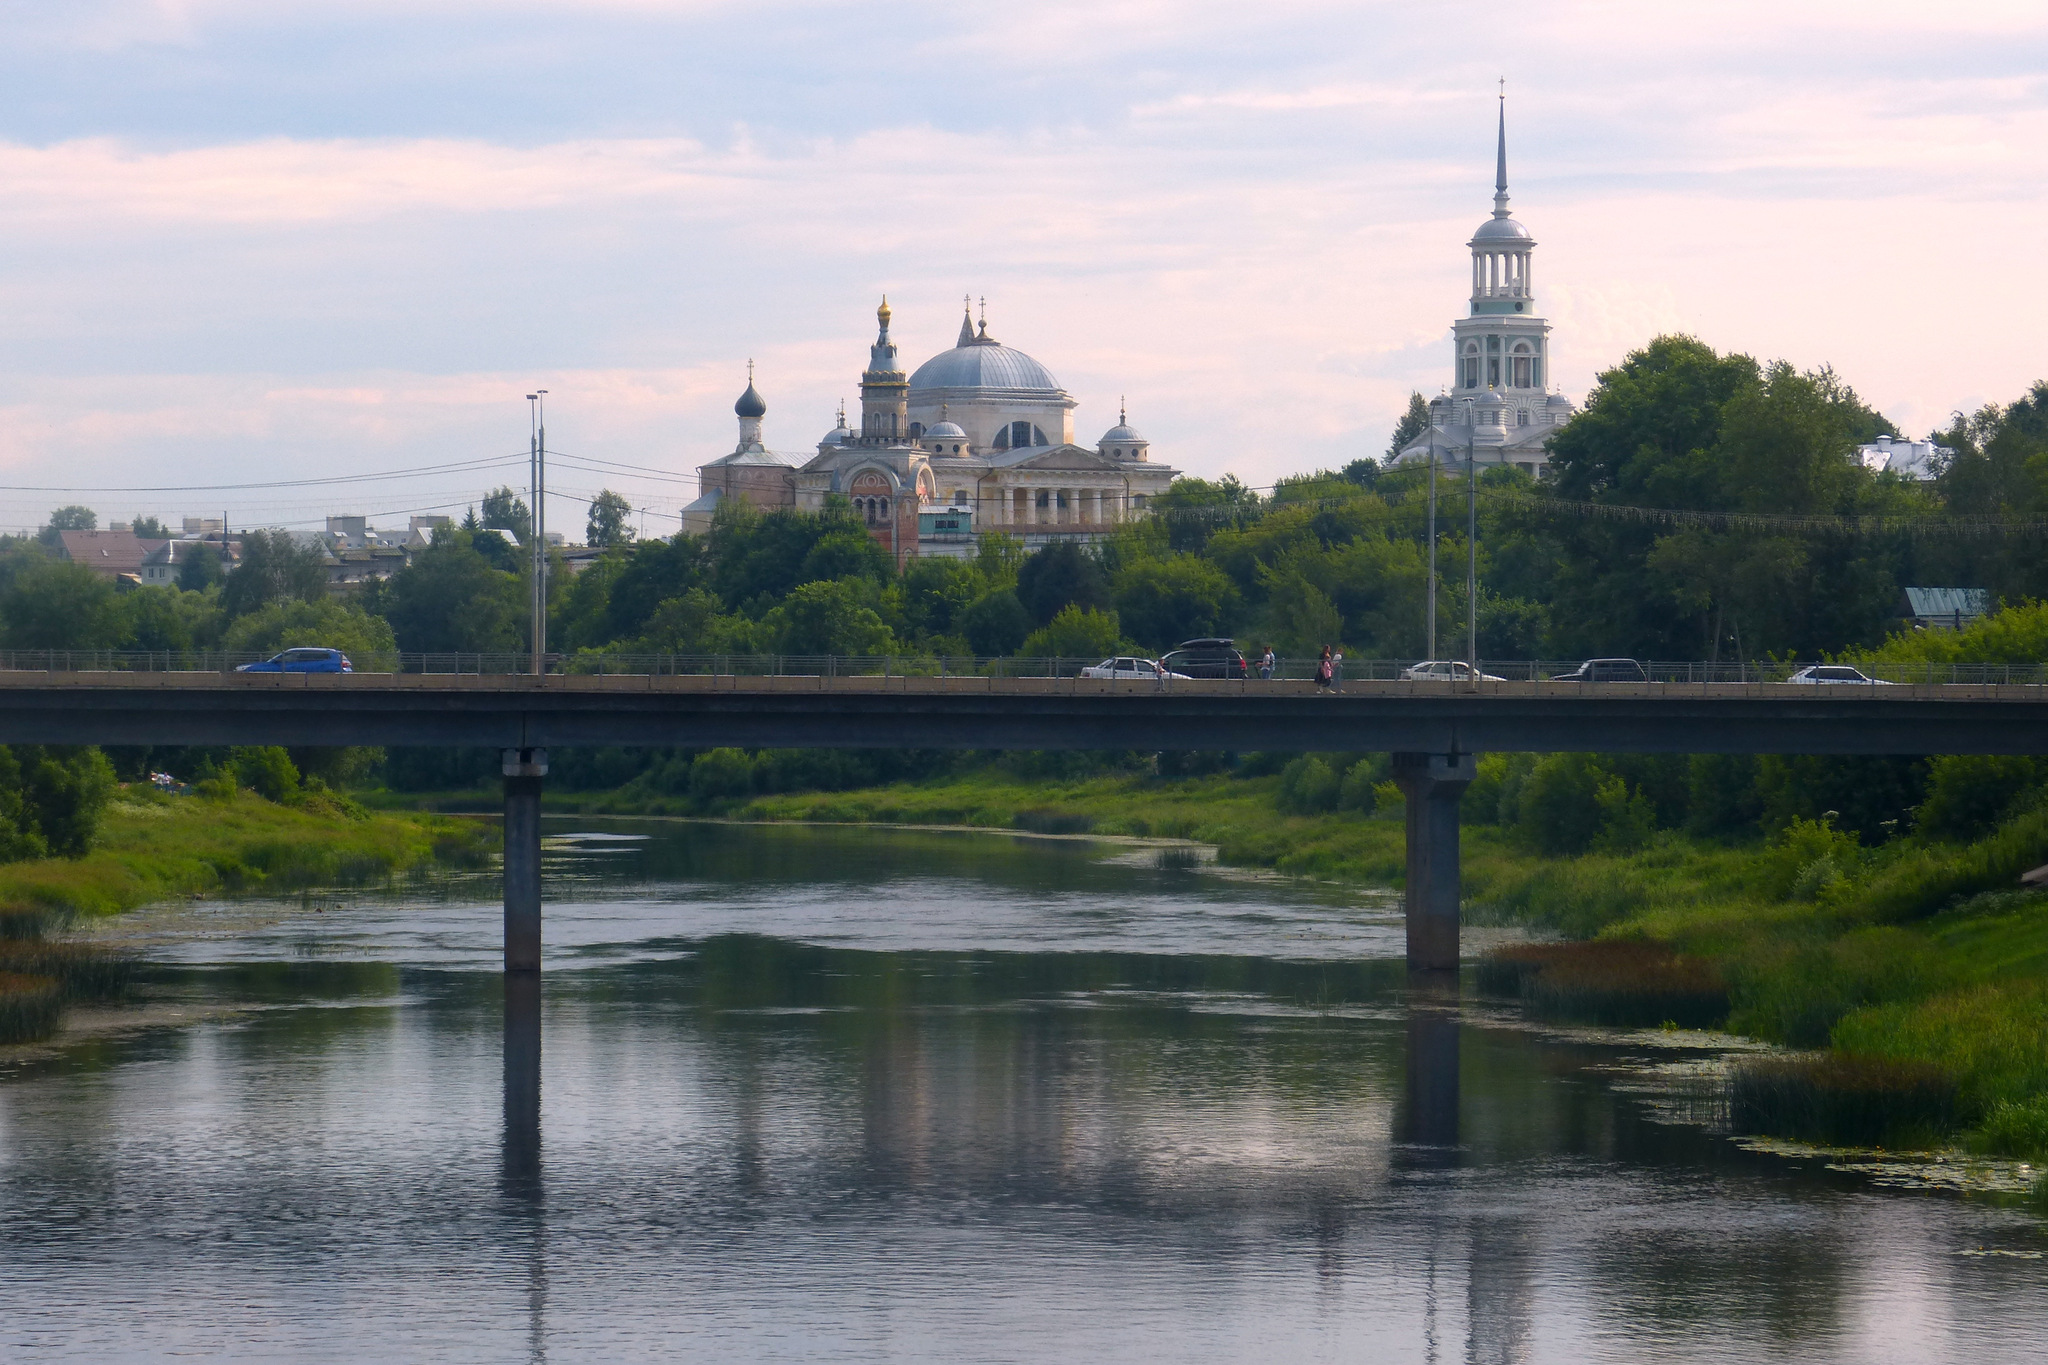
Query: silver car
(1128, 669)
(1444, 670)
(1821, 674)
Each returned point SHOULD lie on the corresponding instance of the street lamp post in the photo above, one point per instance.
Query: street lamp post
(1429, 615)
(1472, 556)
(538, 527)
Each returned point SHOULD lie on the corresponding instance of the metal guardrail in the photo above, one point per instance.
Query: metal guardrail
(928, 665)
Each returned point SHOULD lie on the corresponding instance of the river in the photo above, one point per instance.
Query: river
(861, 1095)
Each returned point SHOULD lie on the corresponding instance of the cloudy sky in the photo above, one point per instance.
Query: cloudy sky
(244, 242)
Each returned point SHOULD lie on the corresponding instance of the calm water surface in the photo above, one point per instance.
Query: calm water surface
(794, 1094)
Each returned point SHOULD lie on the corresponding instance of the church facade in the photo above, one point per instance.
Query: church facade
(978, 438)
(1499, 407)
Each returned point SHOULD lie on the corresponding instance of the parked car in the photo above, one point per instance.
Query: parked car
(1143, 669)
(302, 661)
(1444, 670)
(1208, 659)
(1604, 670)
(1834, 673)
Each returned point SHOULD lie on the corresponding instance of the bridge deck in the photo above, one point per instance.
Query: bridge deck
(516, 711)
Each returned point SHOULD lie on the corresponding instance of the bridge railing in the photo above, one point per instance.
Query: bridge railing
(1678, 672)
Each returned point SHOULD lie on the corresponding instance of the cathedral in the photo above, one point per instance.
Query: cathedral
(978, 438)
(1499, 408)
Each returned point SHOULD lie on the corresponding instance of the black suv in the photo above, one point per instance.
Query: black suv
(1605, 670)
(1207, 659)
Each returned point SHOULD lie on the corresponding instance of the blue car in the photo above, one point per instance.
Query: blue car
(302, 661)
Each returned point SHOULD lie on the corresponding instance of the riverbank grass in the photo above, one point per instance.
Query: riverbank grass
(153, 847)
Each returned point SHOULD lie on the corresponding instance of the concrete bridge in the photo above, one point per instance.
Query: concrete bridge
(1434, 730)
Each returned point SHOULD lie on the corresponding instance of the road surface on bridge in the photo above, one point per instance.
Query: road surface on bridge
(522, 712)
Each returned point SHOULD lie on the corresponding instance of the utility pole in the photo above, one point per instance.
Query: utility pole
(537, 527)
(1429, 649)
(1472, 557)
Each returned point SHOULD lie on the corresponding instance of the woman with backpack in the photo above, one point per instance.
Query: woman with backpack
(1324, 668)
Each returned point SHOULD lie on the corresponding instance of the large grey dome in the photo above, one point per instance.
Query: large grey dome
(983, 365)
(1501, 230)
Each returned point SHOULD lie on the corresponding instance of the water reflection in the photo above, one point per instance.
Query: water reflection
(755, 1147)
(521, 1181)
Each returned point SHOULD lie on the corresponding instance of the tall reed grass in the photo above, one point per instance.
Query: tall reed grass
(1844, 1100)
(1621, 982)
(29, 1007)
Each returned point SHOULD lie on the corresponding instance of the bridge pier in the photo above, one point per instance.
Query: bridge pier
(524, 769)
(1433, 783)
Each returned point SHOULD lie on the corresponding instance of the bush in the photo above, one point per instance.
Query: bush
(995, 623)
(1847, 1101)
(1075, 633)
(1308, 786)
(1805, 859)
(1558, 807)
(1967, 795)
(2015, 1128)
(51, 801)
(1360, 781)
(721, 775)
(1627, 820)
(265, 770)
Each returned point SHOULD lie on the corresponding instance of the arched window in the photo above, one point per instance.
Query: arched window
(1522, 417)
(916, 430)
(1523, 361)
(1003, 438)
(1038, 437)
(1020, 434)
(1471, 364)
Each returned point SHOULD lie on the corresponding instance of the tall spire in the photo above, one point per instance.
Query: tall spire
(1500, 174)
(966, 321)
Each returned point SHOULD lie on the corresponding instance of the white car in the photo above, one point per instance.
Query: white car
(1835, 673)
(1444, 670)
(1128, 669)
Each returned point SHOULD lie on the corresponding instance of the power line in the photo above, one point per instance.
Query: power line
(460, 466)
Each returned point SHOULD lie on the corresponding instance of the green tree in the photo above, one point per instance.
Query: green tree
(1164, 601)
(828, 618)
(149, 528)
(266, 770)
(71, 518)
(936, 590)
(274, 568)
(327, 624)
(1076, 633)
(167, 619)
(51, 605)
(1413, 423)
(1059, 576)
(450, 599)
(846, 553)
(610, 520)
(51, 801)
(505, 510)
(654, 572)
(995, 624)
(198, 567)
